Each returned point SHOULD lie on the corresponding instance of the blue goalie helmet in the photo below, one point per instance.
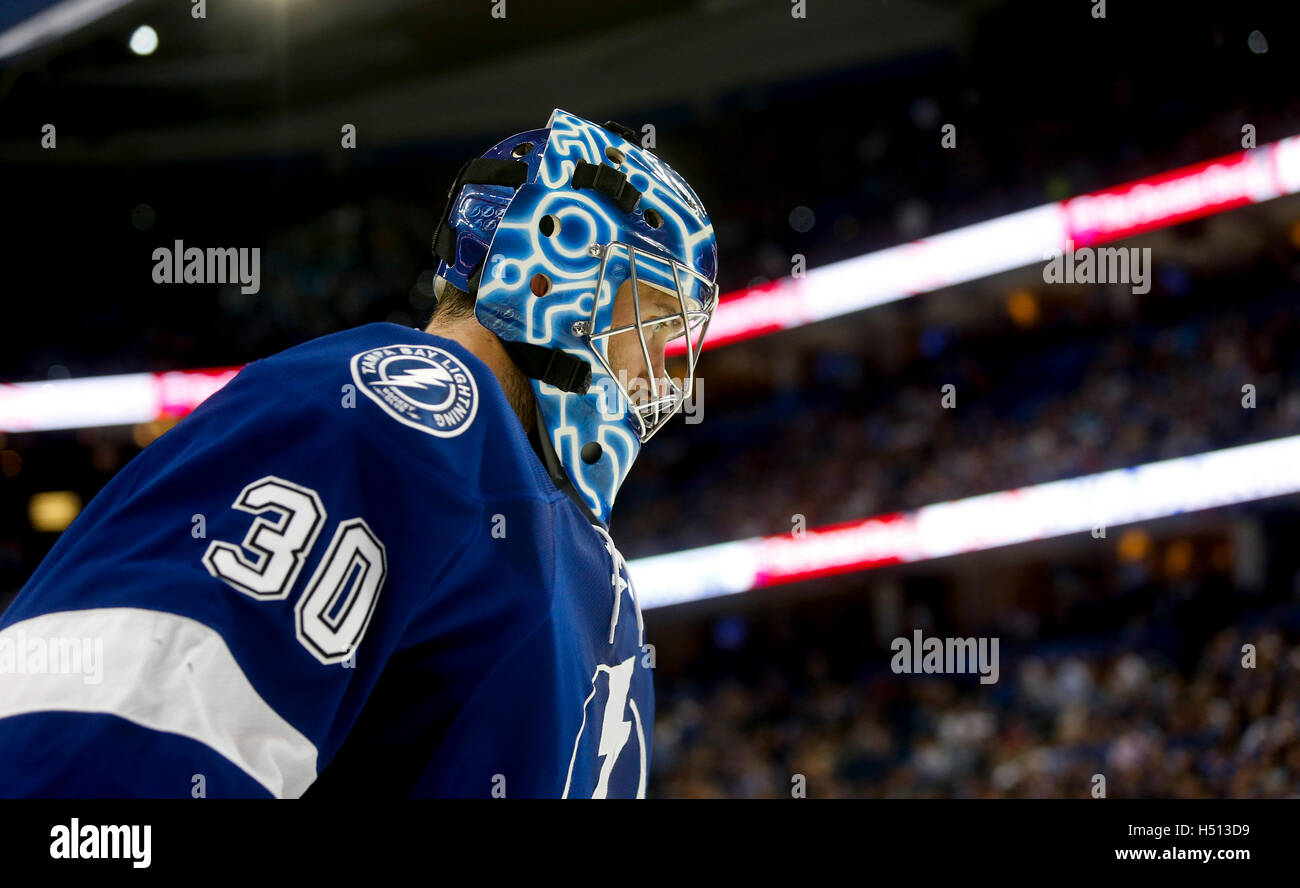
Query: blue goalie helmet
(577, 245)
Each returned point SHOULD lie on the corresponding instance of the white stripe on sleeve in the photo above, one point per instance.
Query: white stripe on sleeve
(159, 670)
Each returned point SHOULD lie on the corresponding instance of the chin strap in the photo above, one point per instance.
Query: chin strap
(552, 366)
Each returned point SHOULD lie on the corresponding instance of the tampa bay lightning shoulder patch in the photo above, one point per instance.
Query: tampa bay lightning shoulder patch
(422, 386)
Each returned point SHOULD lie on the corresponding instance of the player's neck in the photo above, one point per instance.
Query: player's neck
(484, 345)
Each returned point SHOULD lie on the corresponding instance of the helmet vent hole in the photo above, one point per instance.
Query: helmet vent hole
(521, 149)
(653, 219)
(540, 285)
(549, 225)
(591, 452)
(614, 154)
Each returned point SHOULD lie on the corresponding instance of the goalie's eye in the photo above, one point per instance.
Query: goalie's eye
(667, 325)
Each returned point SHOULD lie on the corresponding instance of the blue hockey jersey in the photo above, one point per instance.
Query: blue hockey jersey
(347, 572)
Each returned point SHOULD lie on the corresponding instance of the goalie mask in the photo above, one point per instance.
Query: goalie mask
(551, 231)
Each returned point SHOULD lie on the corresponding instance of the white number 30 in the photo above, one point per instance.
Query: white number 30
(333, 613)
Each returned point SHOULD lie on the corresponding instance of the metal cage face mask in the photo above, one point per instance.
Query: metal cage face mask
(667, 301)
(589, 214)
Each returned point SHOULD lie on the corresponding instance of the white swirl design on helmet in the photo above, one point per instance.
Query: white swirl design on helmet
(573, 255)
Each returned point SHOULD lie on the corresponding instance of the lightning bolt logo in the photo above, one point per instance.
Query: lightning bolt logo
(421, 377)
(418, 379)
(615, 728)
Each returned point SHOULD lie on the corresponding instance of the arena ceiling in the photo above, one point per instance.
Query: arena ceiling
(261, 76)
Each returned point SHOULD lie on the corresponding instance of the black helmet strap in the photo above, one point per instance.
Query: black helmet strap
(551, 365)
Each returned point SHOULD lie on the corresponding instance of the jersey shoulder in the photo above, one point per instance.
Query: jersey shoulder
(423, 396)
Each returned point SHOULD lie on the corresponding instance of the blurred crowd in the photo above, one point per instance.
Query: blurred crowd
(1225, 727)
(848, 446)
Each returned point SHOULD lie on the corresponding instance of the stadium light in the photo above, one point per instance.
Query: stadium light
(53, 510)
(1058, 508)
(123, 399)
(1009, 242)
(144, 40)
(56, 20)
